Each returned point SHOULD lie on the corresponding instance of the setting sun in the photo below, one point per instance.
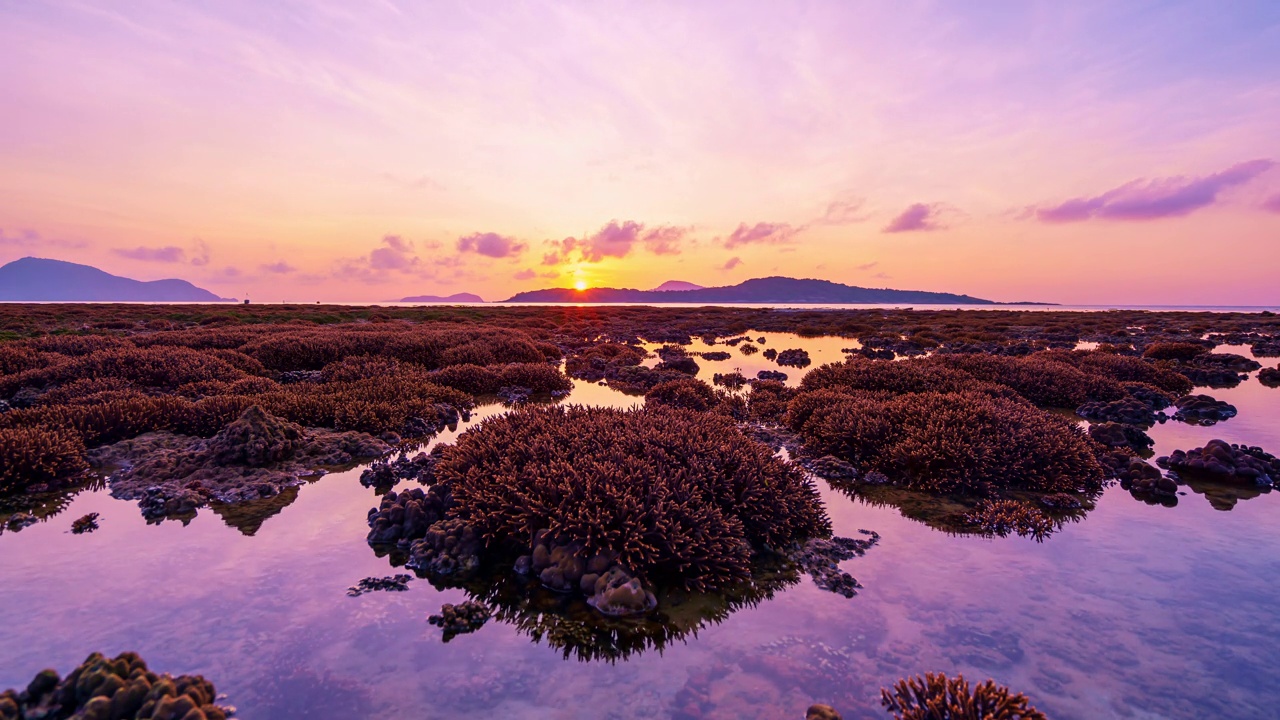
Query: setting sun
(580, 285)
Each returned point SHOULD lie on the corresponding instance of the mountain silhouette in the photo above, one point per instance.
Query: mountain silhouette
(42, 280)
(758, 290)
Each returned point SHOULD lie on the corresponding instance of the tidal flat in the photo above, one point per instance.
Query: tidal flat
(634, 512)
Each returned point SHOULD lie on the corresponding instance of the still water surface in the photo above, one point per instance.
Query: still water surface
(1137, 611)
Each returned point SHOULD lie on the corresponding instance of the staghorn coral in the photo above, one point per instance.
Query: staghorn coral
(99, 689)
(675, 496)
(950, 442)
(1002, 517)
(38, 455)
(937, 697)
(687, 394)
(1175, 350)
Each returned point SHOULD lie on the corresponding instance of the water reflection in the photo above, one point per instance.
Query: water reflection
(1137, 611)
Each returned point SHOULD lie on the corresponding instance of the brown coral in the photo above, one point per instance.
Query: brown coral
(937, 697)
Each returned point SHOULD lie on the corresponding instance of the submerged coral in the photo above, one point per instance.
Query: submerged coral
(462, 618)
(937, 697)
(949, 442)
(1226, 462)
(1002, 517)
(255, 456)
(675, 496)
(1202, 410)
(120, 688)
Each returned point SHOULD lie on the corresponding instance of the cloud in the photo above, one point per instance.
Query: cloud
(1272, 203)
(200, 256)
(396, 253)
(29, 238)
(867, 266)
(915, 218)
(843, 212)
(1154, 199)
(881, 276)
(762, 233)
(616, 240)
(526, 274)
(491, 245)
(169, 254)
(732, 263)
(278, 268)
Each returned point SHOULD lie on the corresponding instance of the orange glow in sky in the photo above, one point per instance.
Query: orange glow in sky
(366, 151)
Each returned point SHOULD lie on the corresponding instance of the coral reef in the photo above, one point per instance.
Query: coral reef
(84, 524)
(1002, 517)
(675, 496)
(949, 442)
(1112, 434)
(1226, 462)
(1202, 410)
(254, 456)
(1127, 411)
(937, 697)
(448, 547)
(686, 394)
(392, 583)
(404, 517)
(102, 689)
(794, 357)
(462, 618)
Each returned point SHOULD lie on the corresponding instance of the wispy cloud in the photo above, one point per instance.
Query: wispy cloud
(864, 267)
(917, 217)
(762, 233)
(168, 254)
(1154, 199)
(278, 268)
(731, 263)
(1272, 203)
(491, 245)
(844, 212)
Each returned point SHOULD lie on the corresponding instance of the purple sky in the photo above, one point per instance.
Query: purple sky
(1083, 152)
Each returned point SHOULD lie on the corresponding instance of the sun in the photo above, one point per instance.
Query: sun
(580, 285)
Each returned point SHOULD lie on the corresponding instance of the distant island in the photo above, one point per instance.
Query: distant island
(672, 285)
(758, 290)
(454, 298)
(33, 279)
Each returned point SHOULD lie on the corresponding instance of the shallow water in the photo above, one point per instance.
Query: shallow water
(1136, 611)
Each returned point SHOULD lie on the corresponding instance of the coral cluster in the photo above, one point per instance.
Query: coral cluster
(1116, 435)
(1226, 462)
(393, 583)
(948, 441)
(84, 524)
(794, 357)
(937, 697)
(462, 618)
(676, 497)
(1002, 517)
(103, 689)
(1202, 410)
(685, 393)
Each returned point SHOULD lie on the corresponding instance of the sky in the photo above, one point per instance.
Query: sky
(365, 150)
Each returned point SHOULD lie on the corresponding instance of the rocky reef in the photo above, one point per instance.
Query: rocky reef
(106, 689)
(255, 456)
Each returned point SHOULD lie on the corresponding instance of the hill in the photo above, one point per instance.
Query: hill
(454, 298)
(759, 290)
(42, 280)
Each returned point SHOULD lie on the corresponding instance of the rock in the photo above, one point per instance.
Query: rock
(832, 468)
